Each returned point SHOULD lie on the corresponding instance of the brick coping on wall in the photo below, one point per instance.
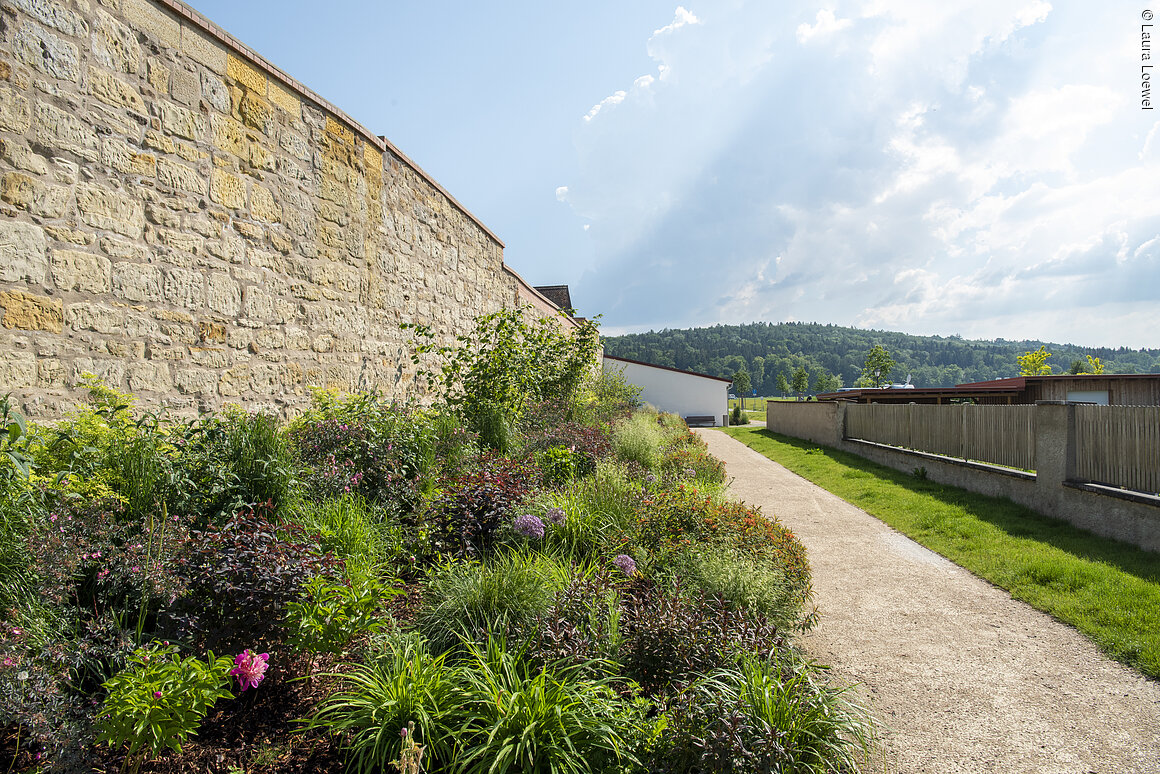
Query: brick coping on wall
(382, 143)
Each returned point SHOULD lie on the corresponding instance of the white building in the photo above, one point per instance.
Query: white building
(697, 398)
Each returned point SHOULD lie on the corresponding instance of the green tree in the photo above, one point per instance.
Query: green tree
(876, 370)
(827, 382)
(1094, 366)
(758, 372)
(801, 381)
(782, 384)
(1034, 363)
(742, 385)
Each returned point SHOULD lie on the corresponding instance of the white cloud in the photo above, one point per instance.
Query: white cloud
(613, 99)
(827, 24)
(681, 18)
(562, 193)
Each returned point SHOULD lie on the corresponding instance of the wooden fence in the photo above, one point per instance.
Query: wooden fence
(1000, 435)
(1118, 446)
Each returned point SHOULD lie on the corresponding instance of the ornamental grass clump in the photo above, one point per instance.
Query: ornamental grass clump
(639, 439)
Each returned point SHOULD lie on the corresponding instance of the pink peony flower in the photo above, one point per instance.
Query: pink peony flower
(250, 668)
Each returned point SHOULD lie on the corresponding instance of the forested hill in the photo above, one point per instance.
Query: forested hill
(767, 349)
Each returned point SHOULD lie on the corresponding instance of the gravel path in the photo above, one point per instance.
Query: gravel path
(964, 678)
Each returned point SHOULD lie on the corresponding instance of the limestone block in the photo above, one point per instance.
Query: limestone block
(159, 142)
(137, 282)
(224, 295)
(121, 249)
(108, 209)
(73, 237)
(147, 17)
(158, 213)
(111, 372)
(113, 91)
(117, 348)
(22, 253)
(65, 171)
(234, 381)
(181, 121)
(86, 316)
(15, 112)
(229, 136)
(158, 76)
(26, 312)
(52, 201)
(86, 272)
(17, 369)
(17, 153)
(196, 381)
(261, 158)
(245, 74)
(115, 46)
(251, 231)
(262, 205)
(127, 159)
(185, 288)
(203, 49)
(55, 129)
(55, 15)
(50, 372)
(49, 53)
(190, 152)
(215, 91)
(172, 354)
(255, 112)
(212, 357)
(281, 243)
(227, 189)
(185, 86)
(295, 145)
(284, 98)
(149, 377)
(18, 189)
(180, 177)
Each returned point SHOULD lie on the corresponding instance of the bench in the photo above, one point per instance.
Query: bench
(701, 421)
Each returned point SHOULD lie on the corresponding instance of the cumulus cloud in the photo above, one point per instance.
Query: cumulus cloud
(960, 167)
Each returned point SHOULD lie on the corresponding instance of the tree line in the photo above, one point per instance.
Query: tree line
(779, 358)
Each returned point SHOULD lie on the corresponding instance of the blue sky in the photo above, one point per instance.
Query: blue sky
(977, 168)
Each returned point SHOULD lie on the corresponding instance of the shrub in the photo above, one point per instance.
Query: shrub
(159, 700)
(516, 717)
(463, 518)
(739, 580)
(237, 460)
(239, 578)
(738, 417)
(330, 614)
(682, 460)
(473, 599)
(589, 445)
(581, 627)
(671, 638)
(557, 465)
(763, 715)
(362, 444)
(375, 701)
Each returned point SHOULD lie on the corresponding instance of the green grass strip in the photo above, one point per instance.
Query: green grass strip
(1108, 590)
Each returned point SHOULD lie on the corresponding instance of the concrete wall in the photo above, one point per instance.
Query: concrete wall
(182, 219)
(1051, 490)
(680, 393)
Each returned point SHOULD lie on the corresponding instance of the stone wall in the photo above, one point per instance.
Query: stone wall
(185, 221)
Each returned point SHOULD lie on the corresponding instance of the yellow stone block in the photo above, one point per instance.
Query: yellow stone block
(27, 312)
(284, 98)
(338, 130)
(245, 73)
(113, 91)
(227, 189)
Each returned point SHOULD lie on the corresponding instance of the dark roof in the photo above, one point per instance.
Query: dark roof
(922, 394)
(558, 295)
(1021, 381)
(667, 368)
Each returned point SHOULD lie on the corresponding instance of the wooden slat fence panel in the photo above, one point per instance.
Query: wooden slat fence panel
(1001, 435)
(1118, 446)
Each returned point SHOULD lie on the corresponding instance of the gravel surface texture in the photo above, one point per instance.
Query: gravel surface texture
(962, 677)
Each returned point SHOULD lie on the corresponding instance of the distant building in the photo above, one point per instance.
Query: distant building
(699, 399)
(1102, 389)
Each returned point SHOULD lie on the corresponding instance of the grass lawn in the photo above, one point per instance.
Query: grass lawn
(1108, 590)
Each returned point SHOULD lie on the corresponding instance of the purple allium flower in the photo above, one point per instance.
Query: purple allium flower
(690, 473)
(250, 668)
(529, 526)
(625, 564)
(651, 478)
(555, 516)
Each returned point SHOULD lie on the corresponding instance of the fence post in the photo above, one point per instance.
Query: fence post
(1054, 447)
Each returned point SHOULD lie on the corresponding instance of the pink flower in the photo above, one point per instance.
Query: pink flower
(250, 668)
(157, 694)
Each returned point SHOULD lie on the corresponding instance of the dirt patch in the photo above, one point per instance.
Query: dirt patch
(962, 677)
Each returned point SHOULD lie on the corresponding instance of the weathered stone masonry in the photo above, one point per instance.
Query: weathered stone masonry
(188, 223)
